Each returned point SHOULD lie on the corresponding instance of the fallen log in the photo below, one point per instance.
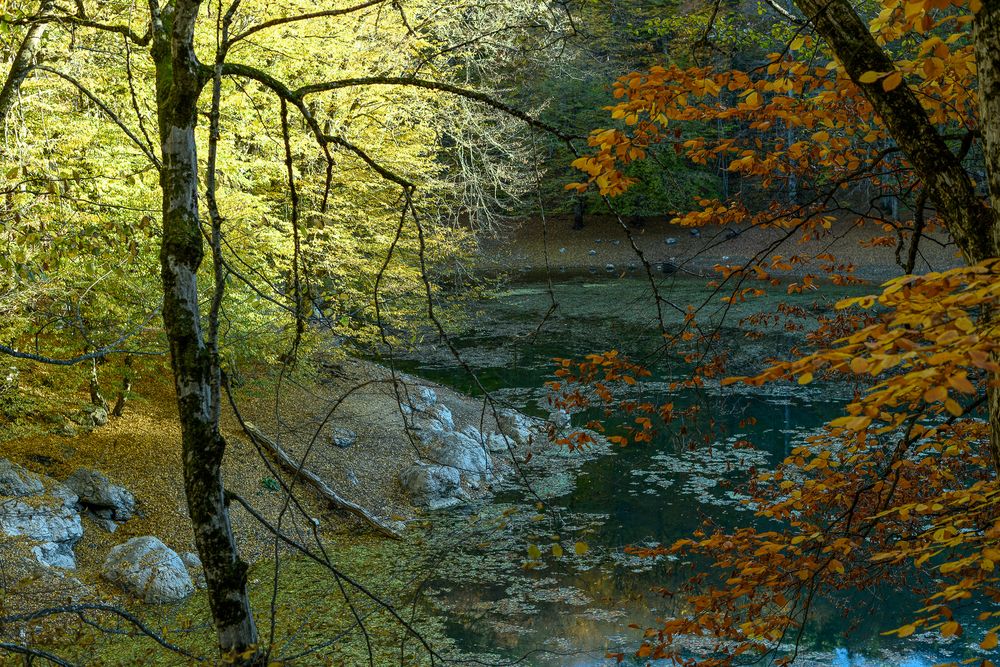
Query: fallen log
(317, 482)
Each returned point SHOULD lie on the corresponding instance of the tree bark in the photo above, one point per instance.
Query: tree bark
(987, 48)
(178, 85)
(23, 63)
(971, 222)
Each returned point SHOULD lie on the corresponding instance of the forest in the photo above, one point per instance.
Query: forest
(564, 333)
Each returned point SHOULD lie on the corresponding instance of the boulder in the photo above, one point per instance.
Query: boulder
(38, 516)
(516, 426)
(92, 416)
(559, 419)
(418, 399)
(16, 481)
(149, 569)
(432, 486)
(500, 444)
(108, 503)
(436, 419)
(459, 451)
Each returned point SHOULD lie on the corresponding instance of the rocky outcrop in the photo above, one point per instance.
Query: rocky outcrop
(108, 504)
(149, 569)
(38, 516)
(456, 461)
(463, 453)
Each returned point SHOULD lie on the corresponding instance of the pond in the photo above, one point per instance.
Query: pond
(571, 609)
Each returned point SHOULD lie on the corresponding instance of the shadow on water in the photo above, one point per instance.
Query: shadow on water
(572, 609)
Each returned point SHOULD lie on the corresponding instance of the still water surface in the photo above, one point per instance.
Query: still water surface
(572, 610)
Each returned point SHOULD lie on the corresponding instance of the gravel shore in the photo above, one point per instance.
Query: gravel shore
(604, 246)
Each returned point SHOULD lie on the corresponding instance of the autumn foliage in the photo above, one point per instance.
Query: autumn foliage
(901, 490)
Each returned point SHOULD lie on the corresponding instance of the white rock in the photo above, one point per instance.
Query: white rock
(147, 568)
(40, 514)
(461, 452)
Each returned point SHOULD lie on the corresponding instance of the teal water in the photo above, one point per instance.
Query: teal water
(571, 610)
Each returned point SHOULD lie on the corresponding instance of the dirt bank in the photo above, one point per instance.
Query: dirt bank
(531, 245)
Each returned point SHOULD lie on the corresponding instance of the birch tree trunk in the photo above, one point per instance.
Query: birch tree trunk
(23, 63)
(987, 45)
(179, 81)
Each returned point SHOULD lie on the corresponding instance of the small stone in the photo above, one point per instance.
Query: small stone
(696, 233)
(591, 252)
(670, 240)
(562, 250)
(616, 242)
(342, 437)
(610, 268)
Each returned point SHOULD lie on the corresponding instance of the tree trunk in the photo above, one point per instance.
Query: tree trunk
(987, 45)
(973, 224)
(126, 388)
(179, 84)
(23, 63)
(95, 387)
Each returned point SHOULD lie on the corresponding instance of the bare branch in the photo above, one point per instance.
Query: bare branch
(107, 111)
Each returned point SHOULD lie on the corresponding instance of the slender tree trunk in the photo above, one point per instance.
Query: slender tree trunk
(95, 387)
(23, 63)
(126, 387)
(179, 83)
(971, 222)
(987, 45)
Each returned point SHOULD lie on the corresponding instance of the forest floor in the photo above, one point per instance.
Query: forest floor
(530, 245)
(141, 450)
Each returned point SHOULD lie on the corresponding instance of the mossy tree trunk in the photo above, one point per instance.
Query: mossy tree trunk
(971, 221)
(179, 82)
(24, 62)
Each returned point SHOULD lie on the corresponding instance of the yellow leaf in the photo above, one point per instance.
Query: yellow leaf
(892, 81)
(952, 406)
(534, 553)
(907, 630)
(935, 394)
(557, 551)
(805, 378)
(859, 365)
(581, 548)
(951, 628)
(869, 77)
(821, 136)
(989, 641)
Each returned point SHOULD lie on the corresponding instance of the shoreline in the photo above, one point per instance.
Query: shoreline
(537, 249)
